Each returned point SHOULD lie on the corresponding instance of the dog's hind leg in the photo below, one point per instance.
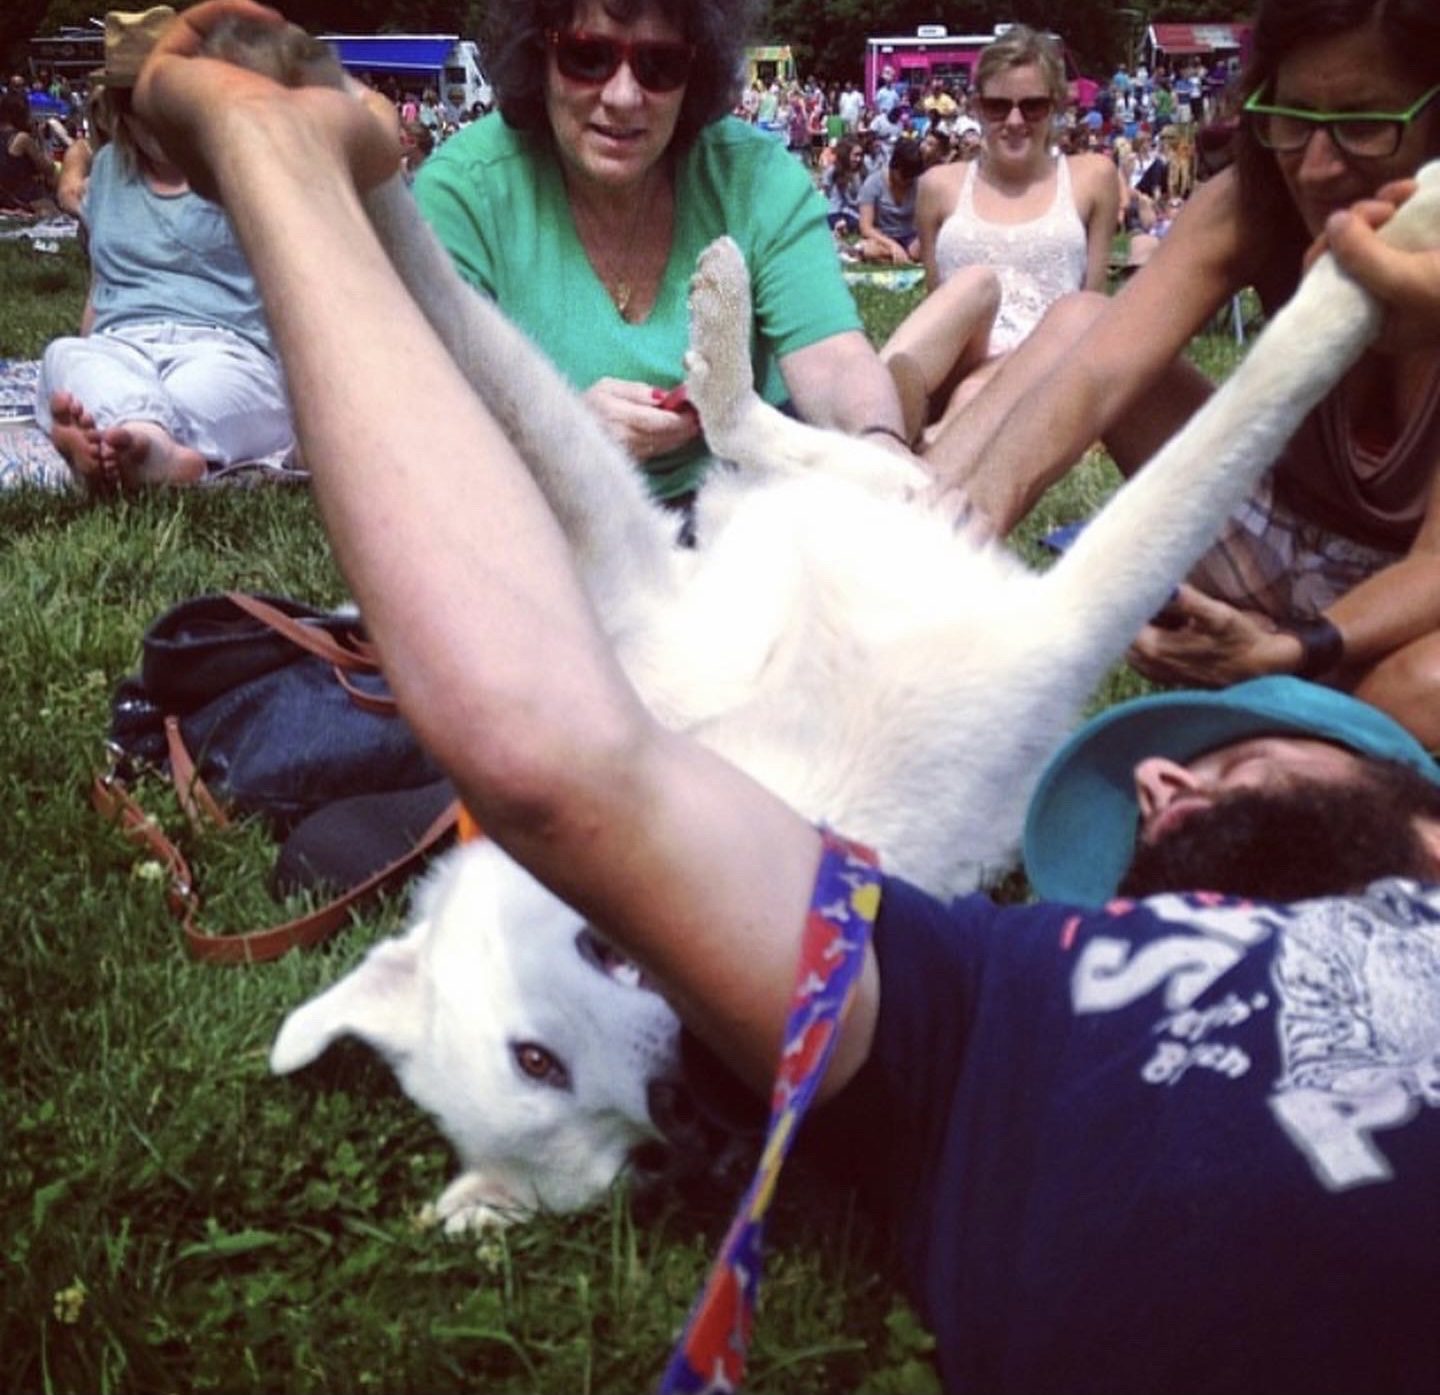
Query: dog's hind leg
(739, 425)
(1124, 564)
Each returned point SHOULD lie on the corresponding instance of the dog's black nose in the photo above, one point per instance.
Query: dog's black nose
(672, 1109)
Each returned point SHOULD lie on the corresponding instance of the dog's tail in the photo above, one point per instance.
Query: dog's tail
(1124, 565)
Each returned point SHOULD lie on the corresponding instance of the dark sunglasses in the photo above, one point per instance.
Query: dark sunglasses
(593, 59)
(1032, 109)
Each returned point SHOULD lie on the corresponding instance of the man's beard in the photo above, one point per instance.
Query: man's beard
(1313, 839)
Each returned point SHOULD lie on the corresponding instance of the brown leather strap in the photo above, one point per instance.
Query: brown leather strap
(381, 704)
(196, 801)
(109, 795)
(355, 657)
(352, 656)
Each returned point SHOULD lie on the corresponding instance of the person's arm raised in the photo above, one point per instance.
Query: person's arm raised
(466, 581)
(74, 176)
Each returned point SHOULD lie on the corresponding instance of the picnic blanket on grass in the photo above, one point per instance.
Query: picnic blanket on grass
(43, 234)
(28, 458)
(26, 455)
(883, 278)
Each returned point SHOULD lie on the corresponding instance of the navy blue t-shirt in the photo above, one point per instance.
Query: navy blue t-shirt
(1185, 1145)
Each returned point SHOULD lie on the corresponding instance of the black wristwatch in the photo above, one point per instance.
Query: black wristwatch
(1322, 646)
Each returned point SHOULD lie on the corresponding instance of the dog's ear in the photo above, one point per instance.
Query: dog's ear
(381, 1002)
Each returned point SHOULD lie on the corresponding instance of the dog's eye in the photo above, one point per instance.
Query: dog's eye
(540, 1065)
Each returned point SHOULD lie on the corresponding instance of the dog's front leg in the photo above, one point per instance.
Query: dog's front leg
(1155, 529)
(739, 425)
(470, 1204)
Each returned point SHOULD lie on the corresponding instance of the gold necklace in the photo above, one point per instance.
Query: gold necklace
(620, 292)
(618, 283)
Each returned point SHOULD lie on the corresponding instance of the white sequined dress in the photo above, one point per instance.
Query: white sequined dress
(1037, 261)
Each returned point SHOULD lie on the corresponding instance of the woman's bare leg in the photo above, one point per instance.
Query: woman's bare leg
(1182, 390)
(945, 337)
(958, 454)
(1406, 684)
(970, 386)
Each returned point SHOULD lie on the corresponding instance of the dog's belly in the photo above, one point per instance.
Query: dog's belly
(868, 667)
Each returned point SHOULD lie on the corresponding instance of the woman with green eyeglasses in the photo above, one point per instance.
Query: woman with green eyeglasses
(1333, 569)
(582, 204)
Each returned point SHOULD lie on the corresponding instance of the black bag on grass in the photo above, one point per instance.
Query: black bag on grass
(281, 707)
(262, 705)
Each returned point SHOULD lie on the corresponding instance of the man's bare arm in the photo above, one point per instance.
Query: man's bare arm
(466, 580)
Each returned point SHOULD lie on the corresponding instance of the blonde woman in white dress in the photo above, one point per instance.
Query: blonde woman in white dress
(1001, 237)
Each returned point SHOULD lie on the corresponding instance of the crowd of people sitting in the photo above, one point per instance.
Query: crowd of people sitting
(1148, 125)
(39, 121)
(1145, 122)
(43, 116)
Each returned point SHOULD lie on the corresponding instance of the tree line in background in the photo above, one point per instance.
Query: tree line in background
(828, 36)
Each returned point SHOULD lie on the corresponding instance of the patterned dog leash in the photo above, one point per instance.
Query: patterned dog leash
(710, 1355)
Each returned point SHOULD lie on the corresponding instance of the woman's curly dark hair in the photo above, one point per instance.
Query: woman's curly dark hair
(1411, 29)
(516, 57)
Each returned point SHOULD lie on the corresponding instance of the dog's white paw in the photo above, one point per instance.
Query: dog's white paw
(719, 376)
(469, 1205)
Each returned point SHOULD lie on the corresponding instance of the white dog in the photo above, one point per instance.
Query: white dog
(831, 635)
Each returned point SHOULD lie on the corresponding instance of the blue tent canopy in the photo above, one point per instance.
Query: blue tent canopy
(42, 104)
(393, 53)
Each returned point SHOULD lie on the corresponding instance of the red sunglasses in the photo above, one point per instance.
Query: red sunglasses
(593, 59)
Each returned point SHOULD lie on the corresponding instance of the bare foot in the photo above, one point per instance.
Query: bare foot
(142, 453)
(77, 438)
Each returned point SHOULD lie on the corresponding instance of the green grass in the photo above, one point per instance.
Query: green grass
(40, 296)
(172, 1217)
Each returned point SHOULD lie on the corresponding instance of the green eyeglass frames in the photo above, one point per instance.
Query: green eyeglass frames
(1365, 135)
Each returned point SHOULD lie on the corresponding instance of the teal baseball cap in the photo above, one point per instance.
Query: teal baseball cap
(1081, 826)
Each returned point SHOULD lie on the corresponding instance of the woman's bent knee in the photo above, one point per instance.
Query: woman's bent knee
(1406, 684)
(974, 285)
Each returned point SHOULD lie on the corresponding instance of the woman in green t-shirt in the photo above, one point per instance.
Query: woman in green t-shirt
(582, 204)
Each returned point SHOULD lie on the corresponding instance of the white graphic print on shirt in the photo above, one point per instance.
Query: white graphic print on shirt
(1357, 1000)
(1359, 989)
